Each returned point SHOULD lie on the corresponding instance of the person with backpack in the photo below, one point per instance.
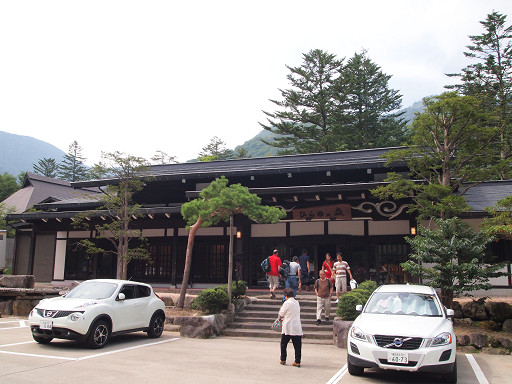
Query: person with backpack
(273, 274)
(323, 290)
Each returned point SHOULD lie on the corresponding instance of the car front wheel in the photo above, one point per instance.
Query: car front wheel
(156, 326)
(354, 370)
(99, 335)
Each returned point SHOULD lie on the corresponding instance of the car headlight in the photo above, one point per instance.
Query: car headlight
(356, 333)
(442, 339)
(75, 316)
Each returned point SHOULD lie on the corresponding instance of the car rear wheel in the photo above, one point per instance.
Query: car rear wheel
(156, 325)
(450, 377)
(354, 370)
(99, 335)
(42, 340)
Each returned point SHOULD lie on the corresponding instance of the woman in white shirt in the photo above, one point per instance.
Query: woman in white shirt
(292, 329)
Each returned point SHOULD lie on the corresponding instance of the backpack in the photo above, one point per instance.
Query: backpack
(328, 283)
(265, 265)
(284, 270)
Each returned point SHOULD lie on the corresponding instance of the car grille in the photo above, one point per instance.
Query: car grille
(398, 342)
(54, 314)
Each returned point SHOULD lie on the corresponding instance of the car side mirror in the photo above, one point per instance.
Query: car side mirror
(121, 297)
(359, 308)
(450, 312)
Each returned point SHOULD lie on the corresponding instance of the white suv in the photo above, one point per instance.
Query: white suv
(404, 328)
(97, 309)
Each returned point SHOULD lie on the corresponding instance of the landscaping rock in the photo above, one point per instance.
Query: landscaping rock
(490, 325)
(6, 307)
(463, 321)
(495, 351)
(498, 311)
(505, 342)
(340, 331)
(17, 281)
(467, 349)
(475, 310)
(189, 299)
(462, 340)
(507, 325)
(478, 340)
(457, 309)
(194, 326)
(23, 307)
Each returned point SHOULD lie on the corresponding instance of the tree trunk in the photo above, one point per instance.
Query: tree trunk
(447, 297)
(188, 261)
(230, 261)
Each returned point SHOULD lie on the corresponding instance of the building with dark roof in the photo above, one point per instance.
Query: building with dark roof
(329, 207)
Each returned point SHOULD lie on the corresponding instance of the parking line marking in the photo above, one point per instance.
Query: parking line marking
(10, 345)
(476, 368)
(34, 355)
(338, 375)
(127, 349)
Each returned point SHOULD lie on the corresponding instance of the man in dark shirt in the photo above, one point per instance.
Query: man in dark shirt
(304, 267)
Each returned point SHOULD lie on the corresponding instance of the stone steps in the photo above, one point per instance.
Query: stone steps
(256, 319)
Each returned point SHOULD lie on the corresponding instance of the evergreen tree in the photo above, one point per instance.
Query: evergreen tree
(215, 150)
(489, 76)
(72, 167)
(451, 150)
(47, 167)
(367, 118)
(8, 185)
(161, 157)
(307, 119)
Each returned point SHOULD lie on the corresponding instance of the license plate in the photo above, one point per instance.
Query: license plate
(398, 357)
(45, 324)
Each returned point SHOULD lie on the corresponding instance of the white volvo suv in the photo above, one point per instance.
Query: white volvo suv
(97, 309)
(405, 328)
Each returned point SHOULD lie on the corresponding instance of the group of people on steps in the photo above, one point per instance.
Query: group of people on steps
(332, 275)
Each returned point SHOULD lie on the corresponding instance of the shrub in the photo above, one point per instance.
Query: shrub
(238, 288)
(359, 296)
(368, 285)
(211, 301)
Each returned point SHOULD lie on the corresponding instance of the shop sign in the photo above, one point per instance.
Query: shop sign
(326, 212)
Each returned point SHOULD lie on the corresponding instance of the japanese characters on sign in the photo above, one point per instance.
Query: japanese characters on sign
(326, 212)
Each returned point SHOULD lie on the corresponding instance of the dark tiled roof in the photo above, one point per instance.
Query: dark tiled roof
(366, 158)
(487, 194)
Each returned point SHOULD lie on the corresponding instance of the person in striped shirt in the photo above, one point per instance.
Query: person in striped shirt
(341, 268)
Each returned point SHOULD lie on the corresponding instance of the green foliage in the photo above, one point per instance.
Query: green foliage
(47, 167)
(359, 296)
(333, 106)
(499, 223)
(4, 211)
(489, 77)
(368, 285)
(211, 300)
(452, 257)
(8, 185)
(218, 201)
(72, 167)
(452, 150)
(239, 288)
(215, 150)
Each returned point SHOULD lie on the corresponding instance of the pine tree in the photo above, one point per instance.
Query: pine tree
(72, 167)
(368, 120)
(489, 77)
(47, 167)
(215, 150)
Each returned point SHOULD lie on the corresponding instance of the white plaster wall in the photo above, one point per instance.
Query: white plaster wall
(391, 227)
(60, 260)
(354, 228)
(307, 228)
(268, 230)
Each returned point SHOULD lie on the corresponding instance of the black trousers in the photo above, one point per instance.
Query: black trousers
(297, 345)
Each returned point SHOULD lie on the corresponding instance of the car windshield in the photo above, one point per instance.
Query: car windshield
(93, 290)
(404, 303)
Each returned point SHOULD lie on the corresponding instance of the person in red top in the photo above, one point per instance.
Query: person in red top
(273, 275)
(327, 266)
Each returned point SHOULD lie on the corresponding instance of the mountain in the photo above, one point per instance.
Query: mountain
(256, 148)
(19, 153)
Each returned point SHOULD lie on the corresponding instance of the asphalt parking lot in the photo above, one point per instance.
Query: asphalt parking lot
(135, 358)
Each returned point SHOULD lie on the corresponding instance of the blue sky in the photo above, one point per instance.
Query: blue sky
(142, 76)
